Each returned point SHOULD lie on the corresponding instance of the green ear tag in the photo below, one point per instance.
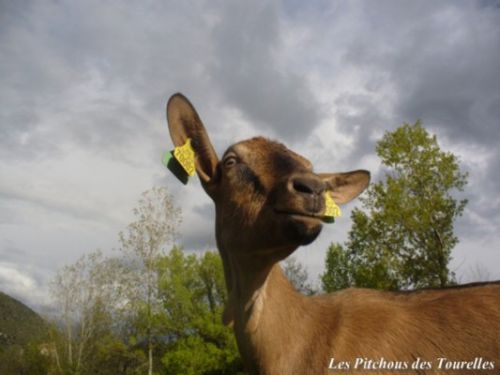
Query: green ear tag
(331, 209)
(173, 165)
(180, 161)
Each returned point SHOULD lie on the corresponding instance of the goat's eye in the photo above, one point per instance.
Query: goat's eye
(230, 161)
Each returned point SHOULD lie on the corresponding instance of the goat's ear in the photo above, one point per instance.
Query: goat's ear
(344, 187)
(184, 123)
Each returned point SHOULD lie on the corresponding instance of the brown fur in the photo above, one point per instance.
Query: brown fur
(268, 202)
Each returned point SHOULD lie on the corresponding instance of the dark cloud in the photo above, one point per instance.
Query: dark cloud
(251, 76)
(90, 74)
(96, 74)
(442, 60)
(363, 124)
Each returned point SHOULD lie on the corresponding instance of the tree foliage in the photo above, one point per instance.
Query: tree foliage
(193, 295)
(404, 236)
(339, 270)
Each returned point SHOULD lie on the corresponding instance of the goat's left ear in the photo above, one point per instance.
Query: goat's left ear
(184, 123)
(344, 187)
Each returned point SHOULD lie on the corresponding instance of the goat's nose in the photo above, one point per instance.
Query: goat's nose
(309, 185)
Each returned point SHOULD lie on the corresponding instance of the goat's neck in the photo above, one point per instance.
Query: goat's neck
(266, 309)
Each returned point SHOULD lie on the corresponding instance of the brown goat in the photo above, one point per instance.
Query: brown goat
(268, 202)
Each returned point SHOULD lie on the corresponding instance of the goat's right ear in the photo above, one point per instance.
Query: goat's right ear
(184, 123)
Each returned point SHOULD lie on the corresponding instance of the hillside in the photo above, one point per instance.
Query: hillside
(18, 323)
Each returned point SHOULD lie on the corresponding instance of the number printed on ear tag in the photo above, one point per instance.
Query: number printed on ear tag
(185, 156)
(331, 209)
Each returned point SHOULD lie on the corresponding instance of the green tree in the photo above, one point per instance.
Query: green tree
(405, 235)
(145, 240)
(112, 356)
(27, 359)
(193, 295)
(338, 274)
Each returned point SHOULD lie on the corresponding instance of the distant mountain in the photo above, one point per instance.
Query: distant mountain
(18, 323)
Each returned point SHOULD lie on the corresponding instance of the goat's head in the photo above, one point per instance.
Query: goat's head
(268, 199)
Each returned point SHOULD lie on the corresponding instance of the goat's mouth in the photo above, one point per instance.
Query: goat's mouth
(301, 227)
(296, 214)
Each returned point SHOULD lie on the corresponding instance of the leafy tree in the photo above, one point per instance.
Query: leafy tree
(27, 359)
(145, 240)
(298, 276)
(112, 356)
(338, 274)
(405, 235)
(193, 295)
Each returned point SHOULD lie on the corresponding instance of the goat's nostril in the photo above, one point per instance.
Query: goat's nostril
(308, 185)
(302, 187)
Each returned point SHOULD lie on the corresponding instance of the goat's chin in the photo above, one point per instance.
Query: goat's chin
(302, 230)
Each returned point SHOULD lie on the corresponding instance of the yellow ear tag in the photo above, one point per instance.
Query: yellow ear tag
(331, 209)
(185, 156)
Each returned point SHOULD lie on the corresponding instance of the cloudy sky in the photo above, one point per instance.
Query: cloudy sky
(83, 87)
